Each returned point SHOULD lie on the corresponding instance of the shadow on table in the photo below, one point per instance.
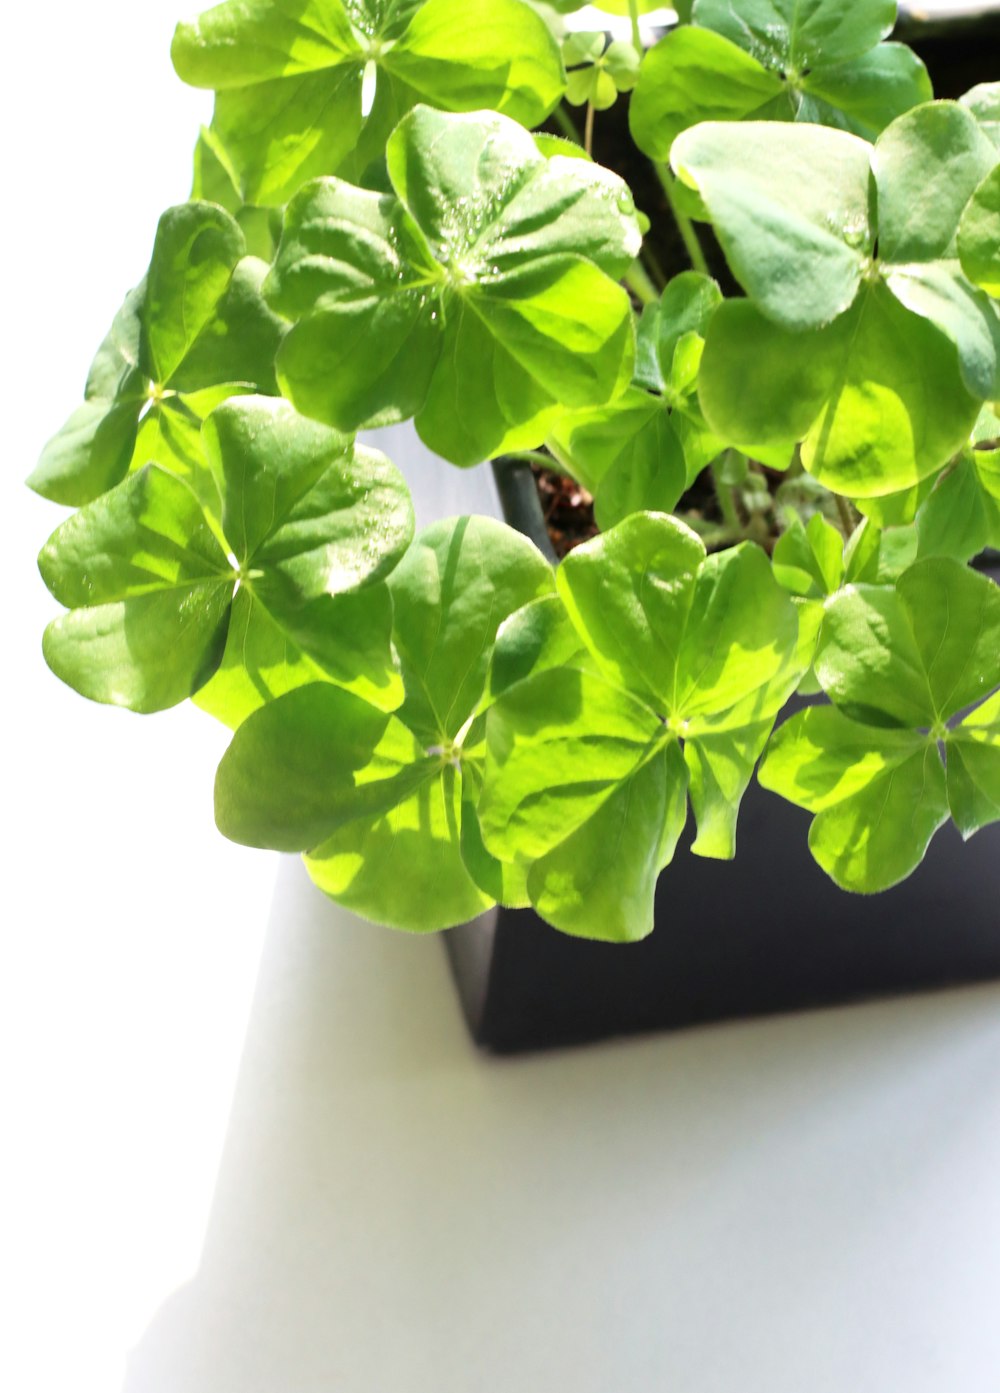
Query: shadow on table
(736, 1207)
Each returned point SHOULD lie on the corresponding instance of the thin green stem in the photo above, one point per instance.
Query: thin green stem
(532, 457)
(633, 9)
(588, 130)
(566, 124)
(727, 501)
(684, 224)
(846, 518)
(640, 284)
(652, 265)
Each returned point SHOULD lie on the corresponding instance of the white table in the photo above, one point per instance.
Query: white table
(248, 1146)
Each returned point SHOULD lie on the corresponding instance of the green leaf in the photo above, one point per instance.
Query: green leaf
(583, 47)
(695, 75)
(690, 634)
(494, 54)
(196, 250)
(628, 454)
(799, 34)
(576, 766)
(720, 765)
(535, 638)
(239, 342)
(622, 65)
(591, 704)
(628, 594)
(464, 289)
(790, 207)
(961, 517)
(820, 64)
(865, 94)
(458, 582)
(93, 449)
(984, 103)
(405, 868)
(979, 235)
(932, 160)
(312, 512)
(878, 795)
(148, 589)
(809, 561)
(197, 321)
(642, 450)
(686, 307)
(321, 771)
(914, 655)
(927, 166)
(348, 638)
(804, 248)
(216, 181)
(291, 98)
(877, 397)
(383, 808)
(974, 769)
(305, 517)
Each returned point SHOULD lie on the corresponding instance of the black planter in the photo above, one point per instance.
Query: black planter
(764, 933)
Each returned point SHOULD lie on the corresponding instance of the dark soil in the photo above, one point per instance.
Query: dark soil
(568, 509)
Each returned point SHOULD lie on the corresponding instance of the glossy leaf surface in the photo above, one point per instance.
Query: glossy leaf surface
(873, 393)
(642, 450)
(881, 769)
(487, 279)
(381, 809)
(669, 666)
(306, 517)
(197, 322)
(774, 60)
(291, 98)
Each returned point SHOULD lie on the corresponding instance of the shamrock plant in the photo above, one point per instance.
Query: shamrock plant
(789, 437)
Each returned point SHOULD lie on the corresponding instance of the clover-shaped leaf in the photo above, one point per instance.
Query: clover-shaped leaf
(984, 103)
(818, 61)
(900, 664)
(596, 74)
(385, 805)
(960, 517)
(216, 181)
(643, 449)
(848, 342)
(487, 280)
(315, 87)
(979, 235)
(193, 333)
(310, 525)
(658, 674)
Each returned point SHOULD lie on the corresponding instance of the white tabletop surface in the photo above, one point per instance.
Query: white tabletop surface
(248, 1145)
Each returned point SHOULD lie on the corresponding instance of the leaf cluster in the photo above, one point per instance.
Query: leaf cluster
(378, 232)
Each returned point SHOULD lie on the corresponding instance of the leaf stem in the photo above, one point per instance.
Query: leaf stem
(533, 457)
(685, 226)
(633, 9)
(588, 130)
(566, 124)
(640, 284)
(846, 520)
(727, 501)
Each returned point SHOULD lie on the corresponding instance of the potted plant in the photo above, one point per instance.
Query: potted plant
(792, 464)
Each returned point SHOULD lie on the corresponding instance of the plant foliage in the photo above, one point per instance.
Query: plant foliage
(378, 232)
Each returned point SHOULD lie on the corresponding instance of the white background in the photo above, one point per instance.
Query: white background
(247, 1146)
